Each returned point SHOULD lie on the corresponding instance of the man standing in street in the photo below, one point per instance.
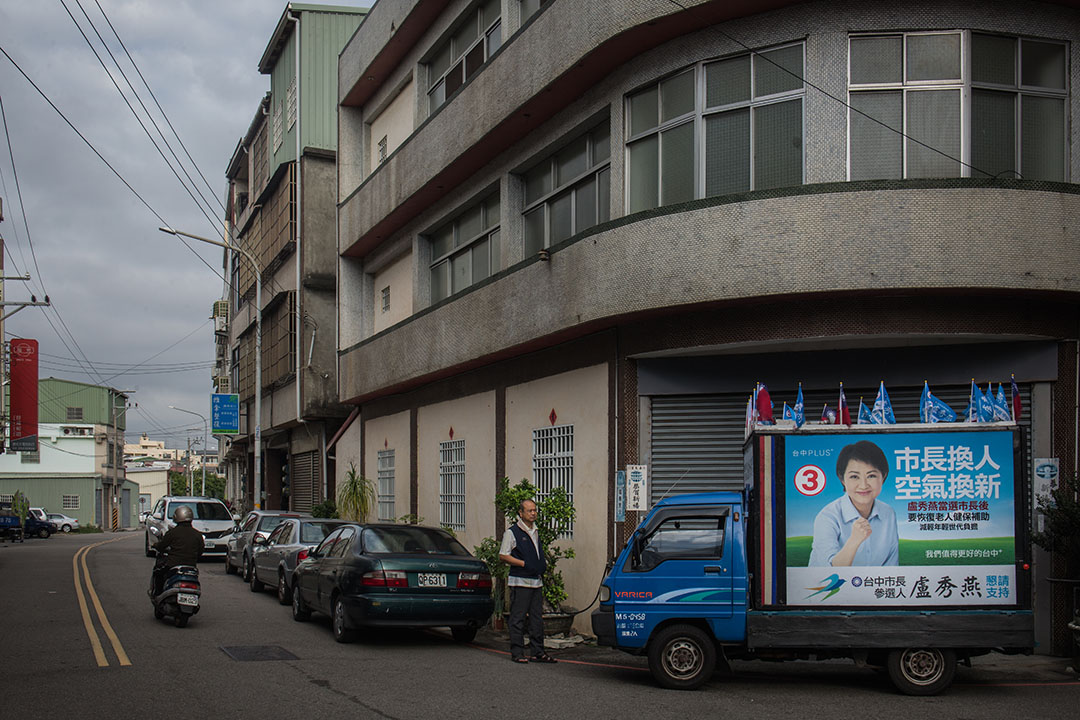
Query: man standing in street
(522, 551)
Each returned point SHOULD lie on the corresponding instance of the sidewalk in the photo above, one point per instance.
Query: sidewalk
(993, 669)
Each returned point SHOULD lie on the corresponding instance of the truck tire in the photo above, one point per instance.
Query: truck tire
(43, 533)
(682, 657)
(921, 671)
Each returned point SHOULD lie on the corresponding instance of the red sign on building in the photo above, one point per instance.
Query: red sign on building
(24, 395)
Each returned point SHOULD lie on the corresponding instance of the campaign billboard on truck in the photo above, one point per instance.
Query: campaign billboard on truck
(890, 520)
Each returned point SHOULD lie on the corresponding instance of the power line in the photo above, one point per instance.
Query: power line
(829, 95)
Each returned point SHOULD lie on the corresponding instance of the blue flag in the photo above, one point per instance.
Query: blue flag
(789, 414)
(924, 403)
(938, 410)
(1001, 406)
(972, 413)
(986, 405)
(800, 416)
(882, 414)
(864, 414)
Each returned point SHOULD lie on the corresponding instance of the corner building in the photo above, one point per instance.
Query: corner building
(575, 233)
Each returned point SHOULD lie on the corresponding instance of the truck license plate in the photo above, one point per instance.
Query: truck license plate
(431, 580)
(187, 599)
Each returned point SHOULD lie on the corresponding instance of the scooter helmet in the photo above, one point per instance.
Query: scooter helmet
(182, 514)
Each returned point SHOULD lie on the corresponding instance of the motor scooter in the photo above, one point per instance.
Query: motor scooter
(180, 594)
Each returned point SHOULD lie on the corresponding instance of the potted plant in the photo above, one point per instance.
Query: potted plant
(488, 551)
(356, 496)
(555, 512)
(1061, 535)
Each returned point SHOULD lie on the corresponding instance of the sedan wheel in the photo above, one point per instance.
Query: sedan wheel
(284, 595)
(230, 569)
(255, 585)
(300, 613)
(341, 633)
(66, 528)
(247, 569)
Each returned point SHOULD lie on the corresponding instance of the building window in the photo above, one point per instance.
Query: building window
(452, 484)
(553, 465)
(465, 250)
(911, 116)
(74, 413)
(477, 36)
(720, 127)
(70, 502)
(529, 8)
(382, 149)
(569, 191)
(30, 457)
(386, 299)
(7, 499)
(386, 485)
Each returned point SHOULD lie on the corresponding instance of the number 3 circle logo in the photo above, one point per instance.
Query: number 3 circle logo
(809, 480)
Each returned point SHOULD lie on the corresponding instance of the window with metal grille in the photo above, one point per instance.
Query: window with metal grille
(30, 457)
(70, 502)
(386, 485)
(7, 499)
(386, 299)
(553, 465)
(452, 484)
(74, 413)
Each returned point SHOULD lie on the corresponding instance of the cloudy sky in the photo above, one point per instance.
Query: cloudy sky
(130, 305)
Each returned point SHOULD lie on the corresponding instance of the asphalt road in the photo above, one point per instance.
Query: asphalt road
(51, 669)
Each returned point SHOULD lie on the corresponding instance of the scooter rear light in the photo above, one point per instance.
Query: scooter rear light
(188, 586)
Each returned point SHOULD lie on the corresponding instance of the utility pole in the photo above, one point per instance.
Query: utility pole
(187, 467)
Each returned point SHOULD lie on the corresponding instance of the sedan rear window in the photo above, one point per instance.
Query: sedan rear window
(203, 510)
(380, 540)
(314, 532)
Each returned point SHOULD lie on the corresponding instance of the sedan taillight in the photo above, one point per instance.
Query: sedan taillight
(473, 580)
(302, 555)
(386, 578)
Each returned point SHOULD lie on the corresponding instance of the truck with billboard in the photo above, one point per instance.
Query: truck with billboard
(903, 547)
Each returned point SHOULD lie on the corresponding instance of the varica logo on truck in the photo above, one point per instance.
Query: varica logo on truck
(633, 594)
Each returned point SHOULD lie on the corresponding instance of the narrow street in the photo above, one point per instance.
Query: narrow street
(399, 674)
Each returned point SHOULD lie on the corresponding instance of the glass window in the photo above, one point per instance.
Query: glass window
(561, 191)
(464, 251)
(275, 536)
(452, 484)
(682, 538)
(741, 138)
(411, 539)
(677, 96)
(459, 57)
(269, 522)
(1015, 110)
(877, 60)
(313, 532)
(344, 541)
(553, 465)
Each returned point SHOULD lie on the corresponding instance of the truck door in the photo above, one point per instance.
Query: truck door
(680, 566)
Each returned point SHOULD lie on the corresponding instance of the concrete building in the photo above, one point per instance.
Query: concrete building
(78, 469)
(147, 448)
(574, 234)
(281, 210)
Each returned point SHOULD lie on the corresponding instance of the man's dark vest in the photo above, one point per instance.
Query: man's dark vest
(525, 550)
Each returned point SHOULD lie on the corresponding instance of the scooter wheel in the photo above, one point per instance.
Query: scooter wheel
(181, 620)
(159, 613)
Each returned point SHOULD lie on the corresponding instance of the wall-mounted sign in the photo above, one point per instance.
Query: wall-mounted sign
(637, 495)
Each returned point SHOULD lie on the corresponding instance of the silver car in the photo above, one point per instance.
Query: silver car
(211, 517)
(257, 523)
(275, 558)
(62, 522)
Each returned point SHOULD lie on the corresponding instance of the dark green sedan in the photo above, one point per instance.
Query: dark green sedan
(393, 576)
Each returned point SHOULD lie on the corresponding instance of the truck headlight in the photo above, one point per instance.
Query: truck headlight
(605, 594)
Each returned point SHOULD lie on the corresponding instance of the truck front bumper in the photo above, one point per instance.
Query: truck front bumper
(603, 625)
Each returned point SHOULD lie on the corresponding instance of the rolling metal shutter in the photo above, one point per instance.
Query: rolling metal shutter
(305, 479)
(697, 440)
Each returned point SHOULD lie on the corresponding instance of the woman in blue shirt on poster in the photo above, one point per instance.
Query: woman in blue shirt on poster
(857, 529)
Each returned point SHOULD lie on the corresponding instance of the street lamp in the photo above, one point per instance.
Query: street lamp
(258, 349)
(206, 447)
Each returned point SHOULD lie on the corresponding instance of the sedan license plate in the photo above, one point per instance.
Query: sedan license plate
(208, 544)
(187, 599)
(431, 579)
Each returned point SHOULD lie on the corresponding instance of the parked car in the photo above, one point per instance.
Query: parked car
(393, 576)
(211, 517)
(62, 522)
(257, 523)
(37, 524)
(274, 559)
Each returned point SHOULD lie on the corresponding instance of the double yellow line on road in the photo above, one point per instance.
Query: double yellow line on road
(95, 642)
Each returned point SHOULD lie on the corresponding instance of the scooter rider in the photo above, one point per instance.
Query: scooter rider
(182, 545)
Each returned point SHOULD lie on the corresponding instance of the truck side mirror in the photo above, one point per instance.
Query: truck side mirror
(635, 551)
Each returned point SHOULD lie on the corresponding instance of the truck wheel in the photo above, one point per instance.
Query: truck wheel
(921, 671)
(43, 533)
(682, 657)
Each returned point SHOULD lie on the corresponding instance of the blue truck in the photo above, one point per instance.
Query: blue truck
(902, 547)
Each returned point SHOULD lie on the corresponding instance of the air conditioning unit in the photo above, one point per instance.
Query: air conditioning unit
(221, 324)
(221, 309)
(223, 383)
